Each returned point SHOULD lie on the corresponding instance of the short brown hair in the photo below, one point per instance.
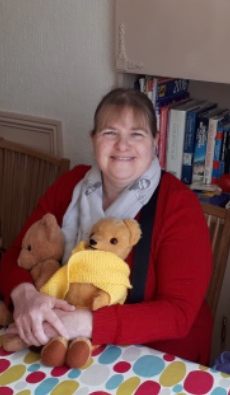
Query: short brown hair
(122, 97)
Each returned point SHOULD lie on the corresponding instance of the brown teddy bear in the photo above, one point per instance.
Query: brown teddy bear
(42, 249)
(95, 276)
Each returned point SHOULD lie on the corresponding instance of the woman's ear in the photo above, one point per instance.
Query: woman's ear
(155, 144)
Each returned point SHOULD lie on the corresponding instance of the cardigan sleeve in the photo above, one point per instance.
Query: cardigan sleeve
(178, 276)
(55, 201)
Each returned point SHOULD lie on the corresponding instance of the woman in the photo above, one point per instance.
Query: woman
(171, 269)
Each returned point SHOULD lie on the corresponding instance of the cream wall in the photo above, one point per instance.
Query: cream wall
(56, 61)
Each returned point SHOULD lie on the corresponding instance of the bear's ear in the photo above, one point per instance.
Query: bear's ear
(134, 230)
(50, 224)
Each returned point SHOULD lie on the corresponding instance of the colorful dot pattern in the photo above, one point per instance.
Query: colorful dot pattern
(131, 370)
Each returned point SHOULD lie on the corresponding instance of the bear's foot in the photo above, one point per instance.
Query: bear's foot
(78, 353)
(54, 352)
(12, 343)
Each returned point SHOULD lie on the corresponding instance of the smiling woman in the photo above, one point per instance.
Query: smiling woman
(125, 140)
(170, 261)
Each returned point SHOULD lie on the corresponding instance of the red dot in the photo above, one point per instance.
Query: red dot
(198, 382)
(4, 364)
(97, 350)
(122, 367)
(169, 357)
(148, 387)
(3, 353)
(59, 371)
(99, 393)
(6, 391)
(35, 377)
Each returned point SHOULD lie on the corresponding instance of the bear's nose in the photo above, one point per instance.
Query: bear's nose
(92, 242)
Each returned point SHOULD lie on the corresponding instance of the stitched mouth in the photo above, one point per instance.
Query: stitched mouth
(92, 248)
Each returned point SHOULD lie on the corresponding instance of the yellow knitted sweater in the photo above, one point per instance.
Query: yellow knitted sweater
(104, 270)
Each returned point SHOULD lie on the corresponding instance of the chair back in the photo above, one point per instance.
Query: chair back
(218, 220)
(25, 174)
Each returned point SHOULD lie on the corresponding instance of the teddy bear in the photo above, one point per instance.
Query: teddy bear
(96, 275)
(42, 249)
(5, 314)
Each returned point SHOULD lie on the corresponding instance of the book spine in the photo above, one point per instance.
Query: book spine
(163, 124)
(189, 147)
(171, 88)
(175, 141)
(212, 131)
(216, 165)
(227, 154)
(148, 86)
(200, 151)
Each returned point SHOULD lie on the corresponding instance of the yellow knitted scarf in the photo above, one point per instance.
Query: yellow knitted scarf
(104, 270)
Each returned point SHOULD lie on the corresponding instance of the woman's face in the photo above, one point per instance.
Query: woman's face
(124, 147)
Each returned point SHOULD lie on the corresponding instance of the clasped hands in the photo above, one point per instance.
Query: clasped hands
(39, 317)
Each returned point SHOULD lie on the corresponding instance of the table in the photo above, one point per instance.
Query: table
(116, 370)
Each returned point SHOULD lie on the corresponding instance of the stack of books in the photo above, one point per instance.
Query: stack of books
(194, 142)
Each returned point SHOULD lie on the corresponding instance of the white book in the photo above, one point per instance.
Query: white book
(213, 125)
(175, 139)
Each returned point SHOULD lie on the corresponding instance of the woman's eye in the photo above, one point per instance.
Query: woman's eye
(109, 133)
(138, 134)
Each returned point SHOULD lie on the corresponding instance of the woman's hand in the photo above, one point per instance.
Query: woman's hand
(31, 309)
(77, 323)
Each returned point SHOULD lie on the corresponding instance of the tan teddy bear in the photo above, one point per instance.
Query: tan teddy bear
(96, 275)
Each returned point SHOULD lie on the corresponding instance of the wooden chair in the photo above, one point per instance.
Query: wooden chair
(25, 174)
(218, 220)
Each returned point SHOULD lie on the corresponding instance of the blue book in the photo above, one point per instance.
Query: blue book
(220, 150)
(226, 154)
(190, 139)
(168, 89)
(201, 145)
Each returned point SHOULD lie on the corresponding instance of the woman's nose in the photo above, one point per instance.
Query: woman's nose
(122, 142)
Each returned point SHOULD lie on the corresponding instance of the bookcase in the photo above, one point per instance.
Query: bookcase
(183, 39)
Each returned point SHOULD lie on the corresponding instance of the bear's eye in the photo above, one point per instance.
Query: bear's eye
(113, 240)
(29, 248)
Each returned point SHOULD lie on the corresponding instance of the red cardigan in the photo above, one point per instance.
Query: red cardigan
(174, 317)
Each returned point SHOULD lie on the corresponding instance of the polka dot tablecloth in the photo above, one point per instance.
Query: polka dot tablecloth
(112, 370)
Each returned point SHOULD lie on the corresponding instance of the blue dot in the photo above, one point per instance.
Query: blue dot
(34, 367)
(219, 391)
(114, 381)
(46, 386)
(74, 373)
(110, 355)
(148, 366)
(177, 388)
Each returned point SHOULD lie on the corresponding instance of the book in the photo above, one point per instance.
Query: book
(162, 90)
(175, 138)
(190, 139)
(226, 158)
(168, 89)
(201, 144)
(214, 125)
(163, 128)
(220, 150)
